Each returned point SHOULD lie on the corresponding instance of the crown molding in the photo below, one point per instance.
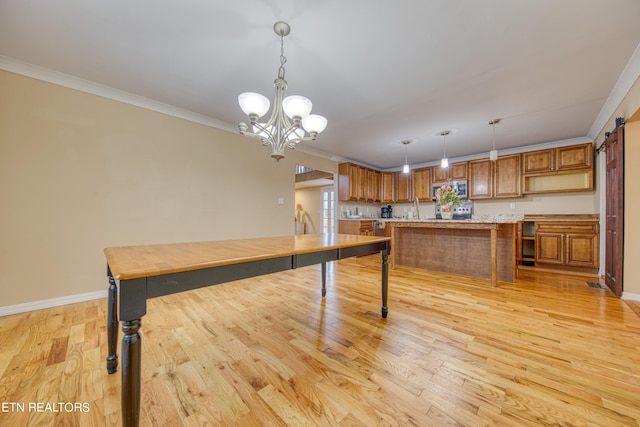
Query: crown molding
(71, 82)
(626, 80)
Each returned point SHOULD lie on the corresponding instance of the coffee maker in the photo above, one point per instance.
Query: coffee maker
(386, 212)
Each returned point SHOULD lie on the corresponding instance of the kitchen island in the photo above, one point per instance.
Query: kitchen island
(484, 248)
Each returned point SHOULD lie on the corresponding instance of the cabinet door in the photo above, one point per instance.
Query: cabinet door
(372, 193)
(582, 250)
(347, 181)
(405, 193)
(348, 226)
(421, 179)
(440, 174)
(574, 157)
(536, 162)
(455, 171)
(388, 190)
(458, 171)
(361, 190)
(480, 179)
(507, 181)
(550, 248)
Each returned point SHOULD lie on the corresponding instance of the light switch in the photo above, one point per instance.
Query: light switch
(281, 200)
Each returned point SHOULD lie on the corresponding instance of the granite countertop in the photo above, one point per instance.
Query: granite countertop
(476, 219)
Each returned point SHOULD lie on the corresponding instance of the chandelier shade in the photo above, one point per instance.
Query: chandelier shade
(254, 104)
(291, 121)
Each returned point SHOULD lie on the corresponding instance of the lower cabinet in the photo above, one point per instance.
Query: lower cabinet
(365, 227)
(567, 244)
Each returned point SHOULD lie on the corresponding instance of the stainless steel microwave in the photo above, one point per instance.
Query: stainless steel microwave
(461, 185)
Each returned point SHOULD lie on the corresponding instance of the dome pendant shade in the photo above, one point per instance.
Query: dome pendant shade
(296, 106)
(253, 104)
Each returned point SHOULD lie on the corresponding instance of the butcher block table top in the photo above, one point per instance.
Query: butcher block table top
(131, 262)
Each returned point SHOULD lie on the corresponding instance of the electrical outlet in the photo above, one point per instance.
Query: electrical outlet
(512, 205)
(281, 200)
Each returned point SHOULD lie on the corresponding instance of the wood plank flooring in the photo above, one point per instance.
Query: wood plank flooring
(268, 351)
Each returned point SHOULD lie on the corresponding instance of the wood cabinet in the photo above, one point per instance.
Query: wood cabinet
(372, 193)
(358, 183)
(421, 180)
(567, 243)
(499, 179)
(480, 179)
(455, 171)
(507, 177)
(364, 227)
(348, 182)
(558, 169)
(573, 244)
(403, 187)
(388, 187)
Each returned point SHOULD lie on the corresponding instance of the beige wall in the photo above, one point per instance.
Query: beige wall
(309, 198)
(631, 280)
(80, 172)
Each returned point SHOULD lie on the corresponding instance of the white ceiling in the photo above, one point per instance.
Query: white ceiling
(381, 71)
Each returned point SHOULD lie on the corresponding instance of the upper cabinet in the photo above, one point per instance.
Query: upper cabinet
(507, 177)
(404, 188)
(388, 187)
(480, 179)
(499, 179)
(421, 179)
(552, 170)
(455, 171)
(348, 180)
(558, 169)
(357, 183)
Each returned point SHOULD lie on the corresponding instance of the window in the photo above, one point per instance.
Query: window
(328, 209)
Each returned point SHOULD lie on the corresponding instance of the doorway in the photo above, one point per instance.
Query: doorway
(315, 201)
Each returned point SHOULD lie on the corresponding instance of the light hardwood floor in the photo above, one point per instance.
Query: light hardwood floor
(268, 351)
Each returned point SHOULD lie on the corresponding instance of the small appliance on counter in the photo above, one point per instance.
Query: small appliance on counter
(387, 212)
(463, 211)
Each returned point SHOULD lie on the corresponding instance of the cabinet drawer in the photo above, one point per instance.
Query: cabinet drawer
(568, 227)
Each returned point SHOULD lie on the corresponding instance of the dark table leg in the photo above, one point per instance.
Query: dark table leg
(324, 279)
(112, 327)
(131, 357)
(385, 282)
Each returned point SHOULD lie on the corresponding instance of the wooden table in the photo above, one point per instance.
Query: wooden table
(143, 272)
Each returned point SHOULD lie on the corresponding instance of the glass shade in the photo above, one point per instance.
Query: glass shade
(314, 123)
(296, 134)
(493, 155)
(444, 163)
(253, 103)
(296, 106)
(405, 169)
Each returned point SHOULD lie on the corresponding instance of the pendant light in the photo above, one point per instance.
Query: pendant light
(493, 154)
(405, 168)
(444, 163)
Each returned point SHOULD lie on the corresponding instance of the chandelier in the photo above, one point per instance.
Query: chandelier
(290, 122)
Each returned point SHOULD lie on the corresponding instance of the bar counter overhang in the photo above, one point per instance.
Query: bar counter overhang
(475, 248)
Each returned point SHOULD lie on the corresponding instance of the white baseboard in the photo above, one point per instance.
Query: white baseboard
(630, 296)
(53, 302)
